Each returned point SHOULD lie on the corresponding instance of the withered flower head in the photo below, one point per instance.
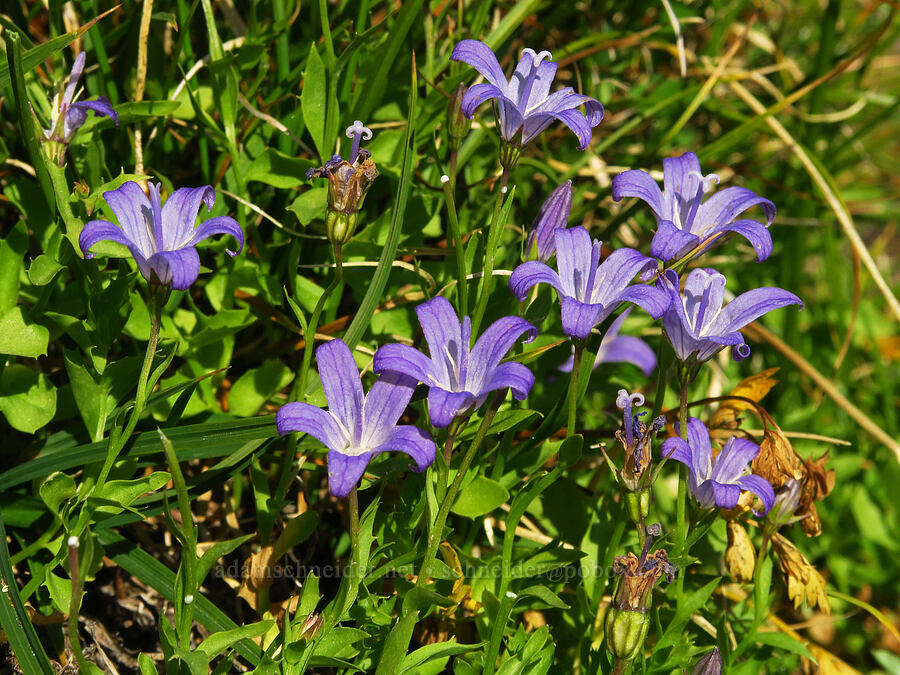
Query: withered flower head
(626, 622)
(804, 582)
(348, 182)
(636, 438)
(740, 557)
(710, 664)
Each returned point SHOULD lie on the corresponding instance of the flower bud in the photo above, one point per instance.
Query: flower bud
(625, 632)
(311, 625)
(710, 664)
(553, 215)
(340, 226)
(637, 504)
(457, 124)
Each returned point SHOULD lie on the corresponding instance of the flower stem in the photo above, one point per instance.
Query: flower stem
(117, 441)
(573, 386)
(490, 249)
(461, 293)
(434, 537)
(681, 525)
(75, 606)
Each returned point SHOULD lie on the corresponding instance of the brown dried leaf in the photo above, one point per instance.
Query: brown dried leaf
(754, 387)
(256, 575)
(805, 584)
(740, 556)
(777, 462)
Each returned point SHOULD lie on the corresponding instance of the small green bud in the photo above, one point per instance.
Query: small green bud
(638, 505)
(457, 123)
(625, 632)
(340, 226)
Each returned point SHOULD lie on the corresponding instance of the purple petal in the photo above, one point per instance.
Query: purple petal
(652, 300)
(723, 206)
(218, 225)
(617, 271)
(443, 333)
(100, 105)
(574, 119)
(178, 269)
(760, 487)
(530, 274)
(481, 58)
(74, 76)
(100, 230)
(593, 111)
(542, 78)
(628, 349)
(701, 450)
(574, 250)
(412, 441)
(341, 384)
(678, 174)
(710, 345)
(725, 495)
(638, 184)
(754, 232)
(670, 242)
(385, 402)
(311, 420)
(750, 306)
(514, 375)
(579, 318)
(677, 448)
(495, 342)
(478, 94)
(731, 463)
(511, 119)
(132, 210)
(403, 359)
(344, 471)
(179, 214)
(443, 405)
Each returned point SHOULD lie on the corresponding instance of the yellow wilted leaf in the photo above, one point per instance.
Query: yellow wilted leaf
(740, 557)
(256, 575)
(804, 583)
(826, 663)
(754, 387)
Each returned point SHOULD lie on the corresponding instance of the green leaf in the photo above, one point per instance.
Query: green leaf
(434, 651)
(20, 338)
(479, 497)
(218, 643)
(146, 665)
(395, 645)
(545, 595)
(43, 269)
(338, 642)
(14, 620)
(216, 551)
(124, 492)
(310, 205)
(256, 386)
(785, 642)
(312, 100)
(545, 561)
(12, 252)
(60, 591)
(279, 170)
(28, 400)
(57, 488)
(296, 531)
(91, 396)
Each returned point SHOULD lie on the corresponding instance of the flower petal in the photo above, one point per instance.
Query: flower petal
(530, 274)
(342, 386)
(677, 448)
(514, 375)
(754, 232)
(701, 450)
(179, 214)
(403, 359)
(760, 487)
(750, 306)
(443, 333)
(217, 225)
(311, 420)
(640, 184)
(74, 76)
(670, 242)
(731, 463)
(725, 495)
(385, 402)
(552, 216)
(574, 119)
(100, 105)
(443, 405)
(579, 318)
(678, 174)
(628, 349)
(617, 271)
(652, 300)
(344, 471)
(100, 230)
(132, 209)
(481, 58)
(543, 76)
(494, 343)
(178, 269)
(723, 206)
(478, 94)
(573, 260)
(412, 441)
